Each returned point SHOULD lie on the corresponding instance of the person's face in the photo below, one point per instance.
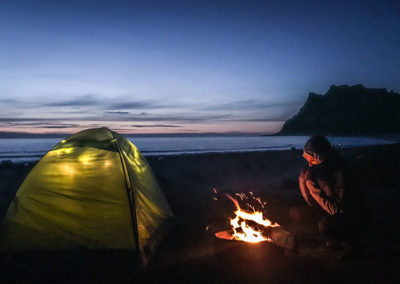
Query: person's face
(311, 159)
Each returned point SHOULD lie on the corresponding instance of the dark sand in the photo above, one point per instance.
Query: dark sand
(191, 254)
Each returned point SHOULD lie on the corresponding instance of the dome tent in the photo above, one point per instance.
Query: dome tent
(92, 191)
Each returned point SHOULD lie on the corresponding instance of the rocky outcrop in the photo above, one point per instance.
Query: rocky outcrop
(347, 110)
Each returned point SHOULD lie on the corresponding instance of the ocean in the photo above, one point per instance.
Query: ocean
(32, 149)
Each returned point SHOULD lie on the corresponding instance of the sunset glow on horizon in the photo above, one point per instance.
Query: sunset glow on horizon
(123, 128)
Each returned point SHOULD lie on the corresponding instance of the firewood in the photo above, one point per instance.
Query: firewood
(278, 235)
(282, 238)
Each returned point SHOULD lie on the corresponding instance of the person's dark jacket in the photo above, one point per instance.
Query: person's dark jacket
(330, 185)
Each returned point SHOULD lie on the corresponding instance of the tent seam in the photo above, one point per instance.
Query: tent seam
(132, 205)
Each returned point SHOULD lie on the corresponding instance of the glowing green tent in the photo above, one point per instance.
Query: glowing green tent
(93, 190)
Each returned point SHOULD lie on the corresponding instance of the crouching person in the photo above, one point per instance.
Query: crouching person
(328, 183)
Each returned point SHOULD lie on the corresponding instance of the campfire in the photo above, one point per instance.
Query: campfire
(250, 225)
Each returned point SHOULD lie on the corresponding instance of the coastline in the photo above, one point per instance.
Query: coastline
(30, 150)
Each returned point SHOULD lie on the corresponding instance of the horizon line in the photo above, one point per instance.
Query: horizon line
(4, 134)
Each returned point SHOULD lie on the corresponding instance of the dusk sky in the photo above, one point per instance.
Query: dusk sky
(185, 66)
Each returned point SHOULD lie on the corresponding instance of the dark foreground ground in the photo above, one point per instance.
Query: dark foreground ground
(191, 253)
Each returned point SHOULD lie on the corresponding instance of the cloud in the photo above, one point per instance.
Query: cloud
(134, 105)
(182, 118)
(16, 119)
(117, 112)
(250, 105)
(29, 123)
(188, 118)
(246, 111)
(146, 104)
(121, 116)
(263, 119)
(9, 101)
(155, 125)
(61, 126)
(41, 124)
(228, 106)
(87, 100)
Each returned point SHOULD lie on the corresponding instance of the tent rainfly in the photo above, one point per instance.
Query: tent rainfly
(92, 191)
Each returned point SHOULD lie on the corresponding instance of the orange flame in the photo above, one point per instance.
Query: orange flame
(242, 230)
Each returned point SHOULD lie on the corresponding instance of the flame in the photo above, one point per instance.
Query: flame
(241, 229)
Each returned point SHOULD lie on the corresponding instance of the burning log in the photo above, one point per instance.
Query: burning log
(265, 231)
(276, 235)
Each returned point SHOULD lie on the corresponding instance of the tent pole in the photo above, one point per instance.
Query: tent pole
(131, 199)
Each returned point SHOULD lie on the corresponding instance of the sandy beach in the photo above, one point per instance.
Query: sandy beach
(191, 253)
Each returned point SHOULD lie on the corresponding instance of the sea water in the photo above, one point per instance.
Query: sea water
(32, 149)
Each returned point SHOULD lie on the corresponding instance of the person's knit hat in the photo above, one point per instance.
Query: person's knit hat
(319, 145)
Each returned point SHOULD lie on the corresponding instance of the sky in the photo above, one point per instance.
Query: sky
(185, 66)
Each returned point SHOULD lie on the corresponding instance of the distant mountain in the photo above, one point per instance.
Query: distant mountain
(347, 110)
